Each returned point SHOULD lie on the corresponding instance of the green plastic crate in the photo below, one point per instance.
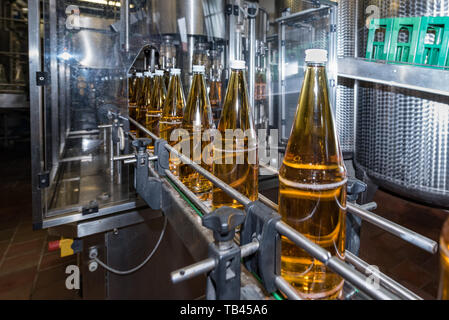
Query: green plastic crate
(404, 51)
(436, 53)
(378, 48)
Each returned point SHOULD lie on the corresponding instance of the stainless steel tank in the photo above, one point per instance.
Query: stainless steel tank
(202, 17)
(403, 135)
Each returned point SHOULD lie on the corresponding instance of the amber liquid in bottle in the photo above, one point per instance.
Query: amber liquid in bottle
(215, 96)
(132, 101)
(197, 120)
(154, 109)
(172, 113)
(312, 190)
(236, 160)
(443, 292)
(143, 102)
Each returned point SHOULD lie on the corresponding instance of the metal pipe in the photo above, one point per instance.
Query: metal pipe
(130, 161)
(310, 247)
(142, 128)
(384, 279)
(395, 229)
(287, 289)
(124, 157)
(88, 158)
(252, 64)
(369, 206)
(358, 280)
(125, 5)
(193, 270)
(208, 264)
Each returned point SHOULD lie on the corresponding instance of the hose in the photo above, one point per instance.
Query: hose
(127, 272)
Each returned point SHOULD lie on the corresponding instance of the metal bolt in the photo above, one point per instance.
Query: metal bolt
(93, 253)
(93, 266)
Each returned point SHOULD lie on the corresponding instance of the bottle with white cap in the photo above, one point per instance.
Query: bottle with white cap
(172, 113)
(235, 152)
(197, 121)
(312, 187)
(157, 100)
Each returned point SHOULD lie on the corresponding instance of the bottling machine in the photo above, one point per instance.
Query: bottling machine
(140, 233)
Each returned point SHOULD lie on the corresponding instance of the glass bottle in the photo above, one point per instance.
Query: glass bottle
(197, 120)
(154, 109)
(235, 150)
(215, 92)
(172, 113)
(215, 97)
(131, 88)
(144, 101)
(312, 187)
(135, 87)
(443, 292)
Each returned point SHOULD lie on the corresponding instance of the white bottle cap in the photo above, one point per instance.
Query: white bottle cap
(199, 69)
(139, 74)
(147, 74)
(316, 55)
(159, 72)
(175, 72)
(238, 64)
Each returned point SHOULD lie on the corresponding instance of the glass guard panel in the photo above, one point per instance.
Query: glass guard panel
(306, 31)
(87, 73)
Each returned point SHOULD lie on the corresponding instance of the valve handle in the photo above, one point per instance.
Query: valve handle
(354, 188)
(141, 144)
(223, 222)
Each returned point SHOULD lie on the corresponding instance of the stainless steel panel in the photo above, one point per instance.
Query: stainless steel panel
(36, 125)
(402, 76)
(201, 18)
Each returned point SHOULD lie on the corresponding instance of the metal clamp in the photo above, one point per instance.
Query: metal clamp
(223, 265)
(149, 188)
(223, 282)
(163, 156)
(260, 224)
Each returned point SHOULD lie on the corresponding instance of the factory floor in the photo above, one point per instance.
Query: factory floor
(28, 271)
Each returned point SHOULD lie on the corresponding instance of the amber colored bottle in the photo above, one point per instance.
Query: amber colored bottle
(312, 187)
(132, 89)
(215, 96)
(144, 101)
(154, 109)
(172, 113)
(235, 152)
(443, 292)
(197, 120)
(136, 86)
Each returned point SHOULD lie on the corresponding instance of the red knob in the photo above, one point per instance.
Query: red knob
(53, 245)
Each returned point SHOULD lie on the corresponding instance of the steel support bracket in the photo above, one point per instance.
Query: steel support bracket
(223, 282)
(149, 188)
(260, 224)
(163, 157)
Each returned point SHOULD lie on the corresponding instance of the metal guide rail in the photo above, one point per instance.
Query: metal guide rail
(260, 254)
